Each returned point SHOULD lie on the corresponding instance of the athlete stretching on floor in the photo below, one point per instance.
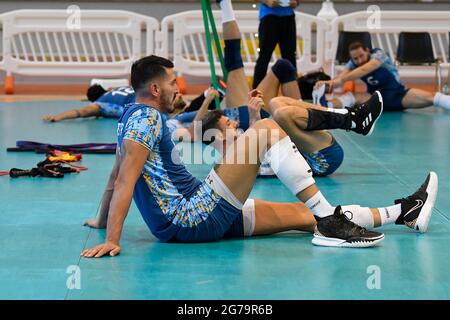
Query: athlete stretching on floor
(320, 149)
(111, 103)
(378, 72)
(107, 104)
(178, 207)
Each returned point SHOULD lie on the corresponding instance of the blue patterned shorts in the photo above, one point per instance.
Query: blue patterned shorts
(325, 161)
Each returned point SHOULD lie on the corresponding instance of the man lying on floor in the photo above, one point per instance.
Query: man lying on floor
(111, 104)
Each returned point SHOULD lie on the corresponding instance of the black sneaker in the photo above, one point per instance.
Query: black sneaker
(366, 114)
(338, 231)
(418, 207)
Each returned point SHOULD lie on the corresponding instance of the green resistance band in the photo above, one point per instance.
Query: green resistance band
(208, 15)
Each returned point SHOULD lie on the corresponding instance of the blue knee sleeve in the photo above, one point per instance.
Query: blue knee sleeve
(284, 71)
(233, 59)
(244, 117)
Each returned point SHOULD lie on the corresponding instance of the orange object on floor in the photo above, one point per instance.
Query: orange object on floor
(349, 86)
(9, 84)
(62, 156)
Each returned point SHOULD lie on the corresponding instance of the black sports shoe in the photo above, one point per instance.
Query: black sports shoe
(418, 207)
(338, 231)
(366, 114)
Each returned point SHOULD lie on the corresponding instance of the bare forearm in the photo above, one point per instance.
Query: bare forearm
(359, 72)
(119, 206)
(102, 214)
(352, 75)
(340, 78)
(70, 114)
(201, 113)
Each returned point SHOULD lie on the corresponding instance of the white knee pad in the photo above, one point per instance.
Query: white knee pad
(362, 216)
(289, 165)
(249, 217)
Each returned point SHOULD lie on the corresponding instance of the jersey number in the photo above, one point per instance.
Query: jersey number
(123, 91)
(372, 81)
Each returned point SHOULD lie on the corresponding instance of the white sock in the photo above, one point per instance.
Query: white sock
(227, 11)
(362, 216)
(319, 205)
(441, 100)
(347, 99)
(390, 214)
(339, 110)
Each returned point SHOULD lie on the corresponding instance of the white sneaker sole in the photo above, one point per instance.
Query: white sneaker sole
(334, 242)
(380, 99)
(427, 209)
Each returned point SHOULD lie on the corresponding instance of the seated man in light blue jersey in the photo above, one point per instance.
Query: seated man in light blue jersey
(379, 73)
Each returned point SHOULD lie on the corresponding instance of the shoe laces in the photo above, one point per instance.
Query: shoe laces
(405, 199)
(402, 200)
(346, 222)
(357, 107)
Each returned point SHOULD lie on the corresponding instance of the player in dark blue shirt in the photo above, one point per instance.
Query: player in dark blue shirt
(111, 103)
(107, 104)
(378, 72)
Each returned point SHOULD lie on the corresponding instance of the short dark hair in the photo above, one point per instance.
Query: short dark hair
(210, 122)
(94, 92)
(356, 45)
(147, 69)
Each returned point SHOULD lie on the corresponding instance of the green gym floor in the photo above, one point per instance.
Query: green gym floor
(41, 232)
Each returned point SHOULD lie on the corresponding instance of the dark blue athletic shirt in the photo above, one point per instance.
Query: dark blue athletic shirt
(385, 77)
(119, 96)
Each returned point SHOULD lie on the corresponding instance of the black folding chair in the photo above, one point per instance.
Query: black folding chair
(416, 48)
(348, 37)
